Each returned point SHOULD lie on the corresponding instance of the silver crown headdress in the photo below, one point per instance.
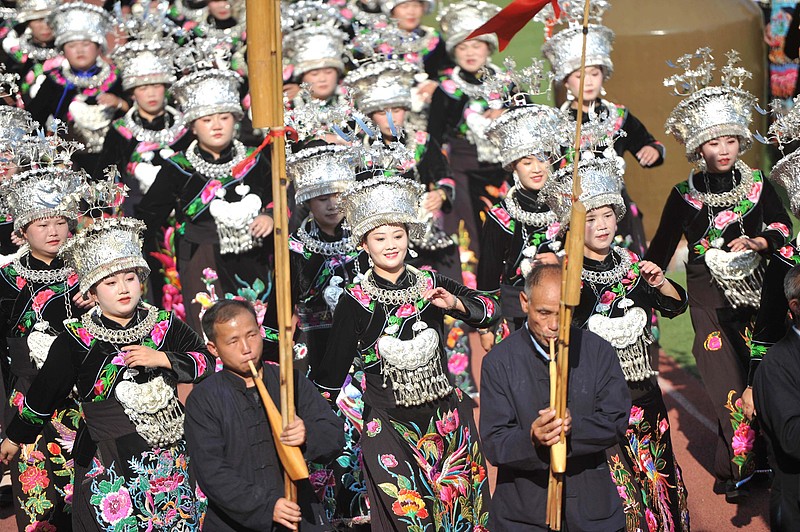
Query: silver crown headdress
(28, 10)
(106, 247)
(212, 87)
(526, 129)
(310, 13)
(388, 5)
(785, 130)
(319, 171)
(601, 184)
(564, 49)
(48, 192)
(459, 19)
(313, 47)
(380, 201)
(382, 84)
(708, 112)
(79, 21)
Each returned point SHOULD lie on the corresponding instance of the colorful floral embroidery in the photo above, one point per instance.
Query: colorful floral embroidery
(458, 351)
(200, 202)
(713, 341)
(374, 427)
(623, 481)
(743, 437)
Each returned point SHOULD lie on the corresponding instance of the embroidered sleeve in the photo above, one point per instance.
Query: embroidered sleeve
(185, 350)
(483, 308)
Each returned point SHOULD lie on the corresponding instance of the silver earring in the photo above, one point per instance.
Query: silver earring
(517, 182)
(570, 96)
(701, 165)
(369, 260)
(603, 91)
(413, 254)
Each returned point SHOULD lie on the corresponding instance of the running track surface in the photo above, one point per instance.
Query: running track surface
(693, 437)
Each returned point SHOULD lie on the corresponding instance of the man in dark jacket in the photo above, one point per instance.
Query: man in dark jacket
(234, 458)
(776, 393)
(518, 426)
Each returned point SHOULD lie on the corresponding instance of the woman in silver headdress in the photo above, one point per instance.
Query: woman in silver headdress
(123, 361)
(84, 91)
(619, 294)
(29, 49)
(428, 43)
(38, 292)
(563, 50)
(220, 191)
(224, 22)
(521, 230)
(460, 113)
(393, 320)
(731, 217)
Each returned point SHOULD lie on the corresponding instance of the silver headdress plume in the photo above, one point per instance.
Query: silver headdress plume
(211, 87)
(105, 248)
(708, 112)
(564, 49)
(526, 129)
(147, 58)
(459, 19)
(79, 21)
(383, 200)
(785, 130)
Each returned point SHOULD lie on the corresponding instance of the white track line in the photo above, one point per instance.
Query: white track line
(687, 405)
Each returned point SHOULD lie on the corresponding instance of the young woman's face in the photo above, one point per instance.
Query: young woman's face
(720, 153)
(82, 55)
(323, 82)
(46, 236)
(532, 172)
(472, 55)
(326, 212)
(408, 15)
(40, 31)
(382, 120)
(214, 132)
(220, 9)
(387, 246)
(592, 83)
(150, 98)
(601, 226)
(118, 294)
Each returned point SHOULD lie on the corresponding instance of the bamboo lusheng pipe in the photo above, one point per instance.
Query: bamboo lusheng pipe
(570, 298)
(291, 457)
(265, 72)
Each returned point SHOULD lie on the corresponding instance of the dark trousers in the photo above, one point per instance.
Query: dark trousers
(784, 502)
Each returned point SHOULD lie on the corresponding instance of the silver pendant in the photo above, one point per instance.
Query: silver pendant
(391, 329)
(419, 326)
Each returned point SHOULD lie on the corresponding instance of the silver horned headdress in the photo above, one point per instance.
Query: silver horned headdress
(380, 201)
(106, 247)
(319, 171)
(79, 21)
(459, 19)
(708, 112)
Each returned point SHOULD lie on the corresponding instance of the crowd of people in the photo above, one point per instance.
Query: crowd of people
(430, 200)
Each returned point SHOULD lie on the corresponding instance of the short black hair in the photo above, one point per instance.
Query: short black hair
(538, 274)
(223, 311)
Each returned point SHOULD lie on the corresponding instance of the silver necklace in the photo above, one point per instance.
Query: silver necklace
(39, 276)
(535, 219)
(121, 336)
(730, 197)
(164, 136)
(402, 296)
(470, 89)
(613, 275)
(91, 82)
(319, 247)
(37, 53)
(234, 32)
(215, 170)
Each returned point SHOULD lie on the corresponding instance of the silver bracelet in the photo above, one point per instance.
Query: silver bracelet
(664, 280)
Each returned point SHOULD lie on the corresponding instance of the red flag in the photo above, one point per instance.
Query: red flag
(513, 18)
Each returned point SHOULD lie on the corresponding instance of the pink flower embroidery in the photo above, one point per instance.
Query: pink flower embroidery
(743, 439)
(72, 280)
(607, 298)
(755, 191)
(623, 492)
(158, 332)
(552, 230)
(637, 414)
(99, 387)
(786, 252)
(210, 275)
(119, 359)
(652, 522)
(296, 246)
(388, 460)
(469, 279)
(200, 360)
(489, 305)
(405, 311)
(502, 215)
(18, 400)
(723, 219)
(210, 191)
(143, 147)
(663, 426)
(116, 506)
(447, 424)
(713, 341)
(449, 86)
(360, 295)
(21, 282)
(457, 363)
(41, 298)
(84, 335)
(694, 202)
(777, 226)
